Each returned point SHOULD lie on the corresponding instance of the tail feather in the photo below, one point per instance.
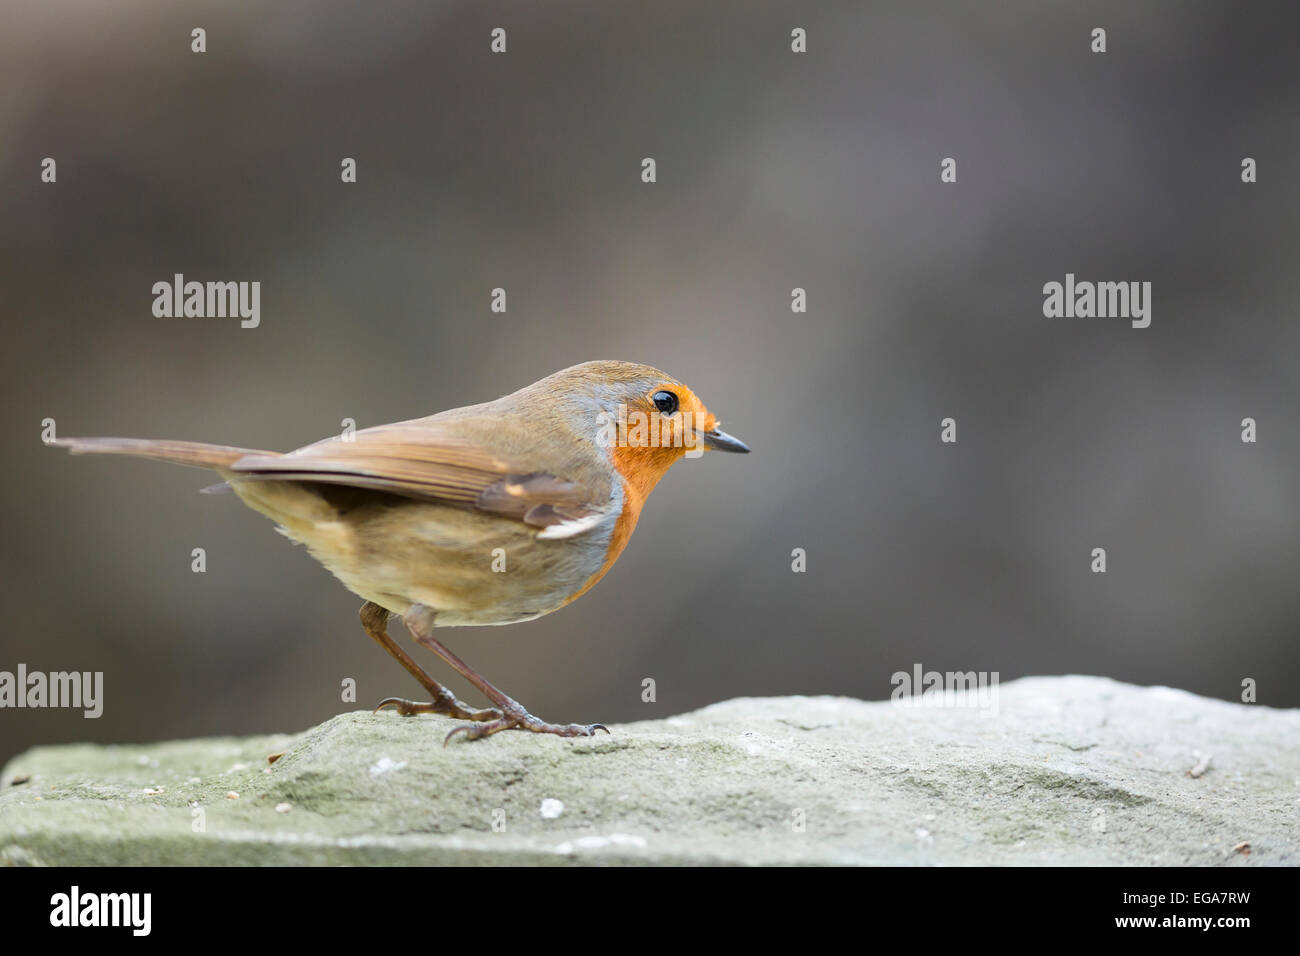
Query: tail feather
(194, 453)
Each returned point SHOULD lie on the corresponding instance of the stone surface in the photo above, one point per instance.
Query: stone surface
(1071, 770)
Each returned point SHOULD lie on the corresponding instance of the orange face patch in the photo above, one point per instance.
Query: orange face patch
(647, 444)
(650, 439)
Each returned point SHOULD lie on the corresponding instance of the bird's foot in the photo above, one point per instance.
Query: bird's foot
(445, 704)
(516, 718)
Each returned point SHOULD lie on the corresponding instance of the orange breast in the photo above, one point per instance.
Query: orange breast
(623, 529)
(640, 470)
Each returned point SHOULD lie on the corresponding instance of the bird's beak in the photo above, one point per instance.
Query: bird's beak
(718, 440)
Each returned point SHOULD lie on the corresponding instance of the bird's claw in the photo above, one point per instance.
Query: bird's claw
(523, 721)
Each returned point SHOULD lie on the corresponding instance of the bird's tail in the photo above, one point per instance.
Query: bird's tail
(195, 453)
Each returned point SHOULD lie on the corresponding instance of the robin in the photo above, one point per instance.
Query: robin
(490, 514)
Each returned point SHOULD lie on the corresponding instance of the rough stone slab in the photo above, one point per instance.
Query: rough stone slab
(1072, 770)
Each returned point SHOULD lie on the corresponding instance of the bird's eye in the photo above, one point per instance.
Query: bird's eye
(666, 402)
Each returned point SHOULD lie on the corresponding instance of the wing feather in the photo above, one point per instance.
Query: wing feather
(422, 461)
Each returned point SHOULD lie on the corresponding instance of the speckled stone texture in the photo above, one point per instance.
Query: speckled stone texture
(1069, 770)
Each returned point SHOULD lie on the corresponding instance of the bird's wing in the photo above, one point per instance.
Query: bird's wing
(423, 461)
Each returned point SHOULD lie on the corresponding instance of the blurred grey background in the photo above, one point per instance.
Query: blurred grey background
(775, 170)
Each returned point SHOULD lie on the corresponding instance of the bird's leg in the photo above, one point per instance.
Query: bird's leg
(513, 716)
(375, 620)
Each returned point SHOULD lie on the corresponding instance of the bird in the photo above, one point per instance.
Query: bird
(491, 514)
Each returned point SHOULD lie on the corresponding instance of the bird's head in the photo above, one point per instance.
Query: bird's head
(647, 418)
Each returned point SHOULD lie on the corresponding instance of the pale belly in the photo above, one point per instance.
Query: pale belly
(470, 568)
